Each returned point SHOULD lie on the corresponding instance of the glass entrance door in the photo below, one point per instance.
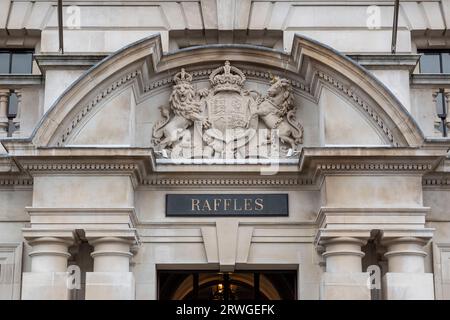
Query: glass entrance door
(245, 285)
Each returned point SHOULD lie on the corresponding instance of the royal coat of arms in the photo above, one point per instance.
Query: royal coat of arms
(222, 122)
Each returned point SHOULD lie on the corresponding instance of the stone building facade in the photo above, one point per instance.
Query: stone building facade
(192, 149)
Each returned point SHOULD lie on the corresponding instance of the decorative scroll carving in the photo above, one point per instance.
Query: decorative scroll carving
(223, 121)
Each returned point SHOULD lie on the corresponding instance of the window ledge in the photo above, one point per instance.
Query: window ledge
(441, 80)
(387, 61)
(12, 81)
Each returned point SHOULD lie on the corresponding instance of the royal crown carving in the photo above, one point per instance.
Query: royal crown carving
(227, 78)
(227, 121)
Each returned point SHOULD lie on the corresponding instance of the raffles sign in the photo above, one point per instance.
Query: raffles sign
(207, 205)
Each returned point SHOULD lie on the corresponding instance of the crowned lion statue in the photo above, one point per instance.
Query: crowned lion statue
(183, 110)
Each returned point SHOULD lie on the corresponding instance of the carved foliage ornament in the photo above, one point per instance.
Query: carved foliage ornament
(227, 121)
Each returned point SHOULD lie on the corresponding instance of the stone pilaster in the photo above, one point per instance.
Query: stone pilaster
(48, 277)
(4, 94)
(343, 277)
(18, 117)
(111, 279)
(406, 278)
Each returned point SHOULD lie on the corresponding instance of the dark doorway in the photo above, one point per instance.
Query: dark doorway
(245, 285)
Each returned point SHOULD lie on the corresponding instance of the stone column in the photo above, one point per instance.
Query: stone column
(48, 277)
(343, 278)
(406, 278)
(111, 279)
(4, 94)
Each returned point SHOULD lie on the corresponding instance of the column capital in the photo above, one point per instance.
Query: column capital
(97, 240)
(405, 254)
(342, 239)
(406, 278)
(419, 235)
(50, 240)
(397, 240)
(39, 235)
(112, 255)
(343, 261)
(388, 241)
(336, 246)
(325, 236)
(111, 249)
(4, 93)
(118, 251)
(128, 235)
(49, 254)
(50, 247)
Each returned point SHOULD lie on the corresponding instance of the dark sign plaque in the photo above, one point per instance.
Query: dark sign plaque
(243, 205)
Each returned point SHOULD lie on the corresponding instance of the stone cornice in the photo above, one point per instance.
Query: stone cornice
(240, 181)
(135, 168)
(15, 181)
(438, 143)
(396, 166)
(18, 146)
(7, 166)
(430, 80)
(387, 61)
(137, 163)
(17, 81)
(436, 181)
(321, 161)
(67, 61)
(415, 213)
(96, 222)
(89, 213)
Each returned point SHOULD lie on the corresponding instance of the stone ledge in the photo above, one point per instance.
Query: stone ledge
(17, 81)
(432, 80)
(66, 61)
(387, 61)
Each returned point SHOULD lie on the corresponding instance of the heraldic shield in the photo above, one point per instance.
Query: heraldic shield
(230, 111)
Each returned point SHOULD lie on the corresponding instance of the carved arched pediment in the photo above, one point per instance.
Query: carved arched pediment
(127, 100)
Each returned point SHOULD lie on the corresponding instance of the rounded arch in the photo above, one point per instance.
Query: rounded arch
(143, 61)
